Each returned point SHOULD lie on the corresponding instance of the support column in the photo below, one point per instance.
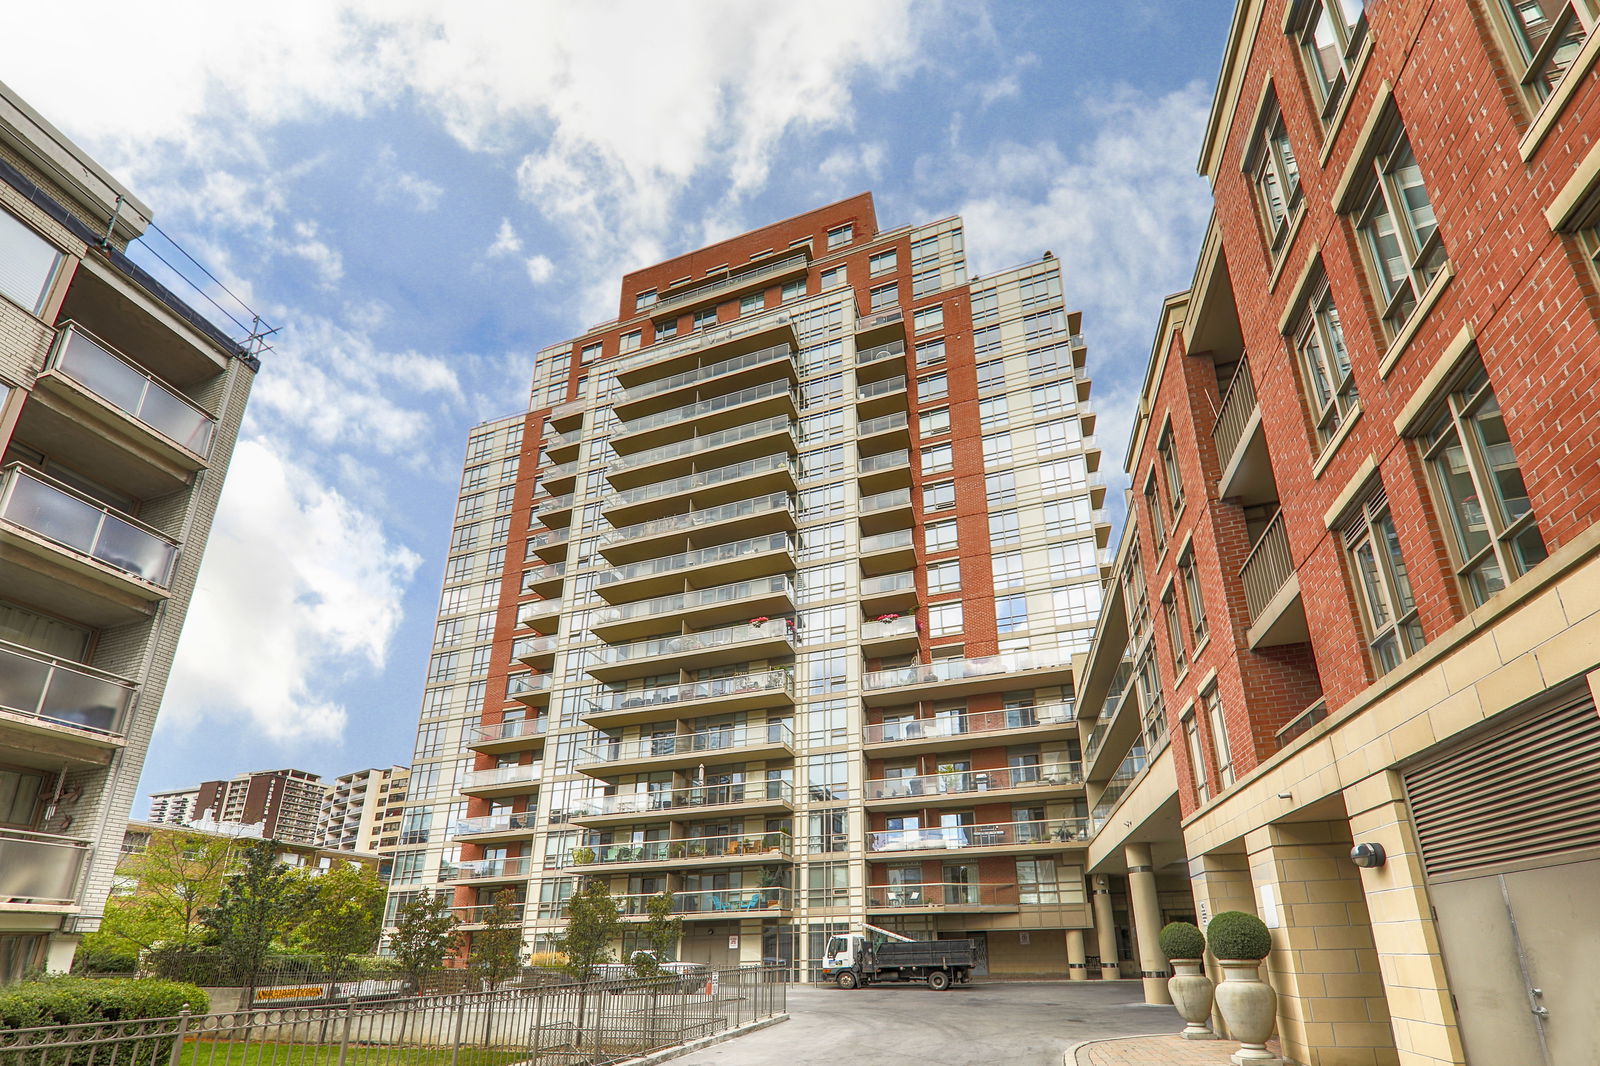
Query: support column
(1105, 926)
(1146, 912)
(1220, 881)
(1077, 960)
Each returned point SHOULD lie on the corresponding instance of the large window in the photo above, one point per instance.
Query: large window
(1169, 464)
(1037, 881)
(1331, 33)
(1197, 763)
(1480, 485)
(1276, 177)
(27, 264)
(1330, 385)
(1388, 609)
(1180, 652)
(1220, 748)
(1399, 231)
(1548, 35)
(1152, 507)
(1192, 597)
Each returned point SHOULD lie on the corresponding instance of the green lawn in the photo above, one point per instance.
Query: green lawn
(267, 1053)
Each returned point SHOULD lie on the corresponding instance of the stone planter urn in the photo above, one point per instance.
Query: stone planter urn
(1191, 992)
(1248, 1004)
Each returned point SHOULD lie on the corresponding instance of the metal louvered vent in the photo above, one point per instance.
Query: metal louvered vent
(1530, 791)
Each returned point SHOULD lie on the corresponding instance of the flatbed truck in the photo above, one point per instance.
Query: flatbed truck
(855, 960)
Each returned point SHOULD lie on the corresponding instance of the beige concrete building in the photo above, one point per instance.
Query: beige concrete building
(361, 810)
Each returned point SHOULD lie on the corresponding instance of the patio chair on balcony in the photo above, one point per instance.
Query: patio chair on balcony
(754, 903)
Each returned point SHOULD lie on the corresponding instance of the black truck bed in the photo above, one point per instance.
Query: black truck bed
(943, 953)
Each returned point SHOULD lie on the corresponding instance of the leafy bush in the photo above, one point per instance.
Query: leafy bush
(1182, 940)
(1237, 935)
(69, 1000)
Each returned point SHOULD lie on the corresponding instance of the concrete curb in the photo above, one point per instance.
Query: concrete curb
(1070, 1058)
(704, 1042)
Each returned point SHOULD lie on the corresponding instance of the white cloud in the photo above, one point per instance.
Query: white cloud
(540, 269)
(297, 587)
(393, 185)
(506, 241)
(324, 259)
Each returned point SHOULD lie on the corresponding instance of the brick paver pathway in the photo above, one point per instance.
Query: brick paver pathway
(1161, 1051)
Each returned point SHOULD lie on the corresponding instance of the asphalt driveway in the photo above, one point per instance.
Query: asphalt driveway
(999, 1023)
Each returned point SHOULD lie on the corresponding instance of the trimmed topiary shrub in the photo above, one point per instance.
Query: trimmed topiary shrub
(1237, 935)
(72, 1000)
(1182, 940)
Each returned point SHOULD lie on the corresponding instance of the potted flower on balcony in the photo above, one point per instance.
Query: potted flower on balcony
(889, 616)
(1184, 945)
(1249, 1005)
(582, 856)
(760, 619)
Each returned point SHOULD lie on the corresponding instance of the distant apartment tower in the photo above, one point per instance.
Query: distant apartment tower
(361, 810)
(286, 804)
(770, 603)
(119, 408)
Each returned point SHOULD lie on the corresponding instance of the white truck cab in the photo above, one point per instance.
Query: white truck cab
(842, 953)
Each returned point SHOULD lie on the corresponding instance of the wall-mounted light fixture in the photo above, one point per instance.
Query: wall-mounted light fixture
(1368, 856)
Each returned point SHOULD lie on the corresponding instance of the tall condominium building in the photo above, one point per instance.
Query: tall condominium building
(361, 810)
(119, 406)
(770, 602)
(1360, 588)
(284, 804)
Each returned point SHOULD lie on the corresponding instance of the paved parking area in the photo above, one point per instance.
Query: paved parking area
(1003, 1023)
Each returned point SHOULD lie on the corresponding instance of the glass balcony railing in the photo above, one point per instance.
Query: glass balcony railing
(538, 575)
(877, 629)
(707, 742)
(559, 472)
(720, 553)
(677, 799)
(879, 318)
(959, 669)
(127, 387)
(688, 643)
(886, 461)
(59, 691)
(537, 609)
(881, 424)
(45, 507)
(683, 523)
(774, 354)
(886, 387)
(507, 866)
(40, 868)
(517, 727)
(717, 900)
(554, 503)
(771, 845)
(553, 441)
(892, 350)
(527, 647)
(524, 774)
(933, 895)
(710, 442)
(704, 339)
(886, 583)
(477, 913)
(683, 601)
(548, 537)
(955, 725)
(705, 479)
(494, 823)
(964, 782)
(885, 501)
(987, 835)
(895, 538)
(524, 684)
(664, 695)
(695, 411)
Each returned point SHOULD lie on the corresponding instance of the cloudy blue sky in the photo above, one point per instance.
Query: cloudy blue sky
(424, 194)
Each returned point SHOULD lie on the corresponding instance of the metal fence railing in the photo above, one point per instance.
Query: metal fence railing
(591, 1024)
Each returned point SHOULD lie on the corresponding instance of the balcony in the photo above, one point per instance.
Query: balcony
(722, 695)
(726, 484)
(879, 326)
(724, 376)
(567, 416)
(740, 559)
(942, 897)
(881, 397)
(1046, 835)
(691, 851)
(555, 510)
(472, 917)
(906, 735)
(709, 647)
(1241, 445)
(519, 824)
(884, 511)
(764, 597)
(560, 478)
(502, 780)
(63, 705)
(768, 400)
(884, 552)
(544, 579)
(969, 786)
(562, 447)
(1272, 590)
(538, 652)
(736, 281)
(888, 593)
(885, 431)
(735, 338)
(766, 514)
(709, 904)
(508, 868)
(551, 544)
(893, 636)
(884, 471)
(530, 688)
(880, 361)
(770, 740)
(39, 871)
(67, 553)
(515, 735)
(944, 678)
(95, 409)
(745, 797)
(537, 614)
(721, 447)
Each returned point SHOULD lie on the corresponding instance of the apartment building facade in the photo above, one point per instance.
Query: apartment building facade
(119, 407)
(361, 811)
(285, 804)
(799, 551)
(1359, 585)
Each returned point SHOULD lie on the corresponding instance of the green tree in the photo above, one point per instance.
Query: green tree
(161, 894)
(257, 907)
(342, 917)
(592, 924)
(425, 932)
(497, 947)
(660, 930)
